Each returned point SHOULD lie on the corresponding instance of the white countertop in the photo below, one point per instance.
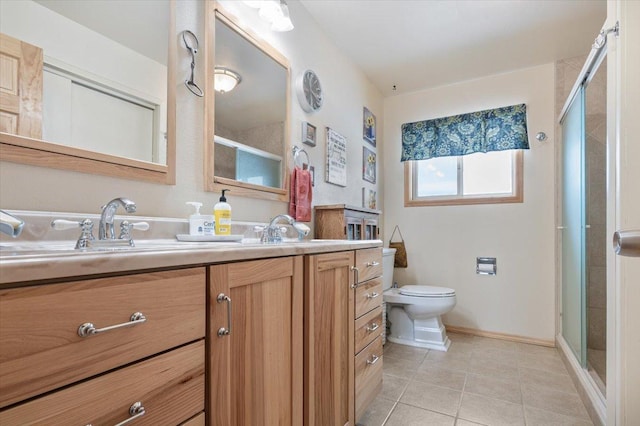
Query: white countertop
(21, 267)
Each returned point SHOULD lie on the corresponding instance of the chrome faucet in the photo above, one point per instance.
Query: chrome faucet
(106, 231)
(10, 224)
(272, 234)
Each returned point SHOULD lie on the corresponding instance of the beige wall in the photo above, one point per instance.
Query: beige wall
(346, 89)
(443, 242)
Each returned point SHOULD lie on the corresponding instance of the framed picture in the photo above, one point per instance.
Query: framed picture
(312, 172)
(369, 126)
(368, 165)
(308, 134)
(369, 199)
(336, 172)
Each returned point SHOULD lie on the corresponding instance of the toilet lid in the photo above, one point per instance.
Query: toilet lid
(426, 291)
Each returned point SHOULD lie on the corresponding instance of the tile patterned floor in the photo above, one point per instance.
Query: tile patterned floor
(479, 381)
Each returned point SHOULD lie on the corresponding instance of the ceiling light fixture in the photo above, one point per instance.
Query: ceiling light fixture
(275, 12)
(225, 80)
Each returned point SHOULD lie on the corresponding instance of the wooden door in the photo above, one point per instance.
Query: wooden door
(254, 375)
(329, 340)
(20, 88)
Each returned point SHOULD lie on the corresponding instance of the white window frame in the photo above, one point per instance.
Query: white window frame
(516, 196)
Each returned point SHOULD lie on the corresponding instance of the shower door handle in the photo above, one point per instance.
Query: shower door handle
(627, 243)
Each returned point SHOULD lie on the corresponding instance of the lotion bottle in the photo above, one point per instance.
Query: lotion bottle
(200, 224)
(222, 213)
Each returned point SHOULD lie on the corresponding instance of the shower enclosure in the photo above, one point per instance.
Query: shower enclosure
(583, 218)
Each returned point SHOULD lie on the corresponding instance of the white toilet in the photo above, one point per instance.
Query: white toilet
(413, 311)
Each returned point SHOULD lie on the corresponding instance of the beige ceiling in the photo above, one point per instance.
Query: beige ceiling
(416, 44)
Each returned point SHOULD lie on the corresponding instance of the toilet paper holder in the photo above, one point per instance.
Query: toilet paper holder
(486, 266)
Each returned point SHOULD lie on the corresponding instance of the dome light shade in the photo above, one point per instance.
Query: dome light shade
(225, 80)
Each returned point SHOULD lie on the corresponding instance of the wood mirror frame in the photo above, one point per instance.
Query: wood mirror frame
(24, 150)
(215, 183)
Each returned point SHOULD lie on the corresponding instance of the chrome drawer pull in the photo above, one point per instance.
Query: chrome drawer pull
(88, 329)
(224, 298)
(135, 411)
(357, 276)
(372, 327)
(374, 263)
(373, 360)
(372, 295)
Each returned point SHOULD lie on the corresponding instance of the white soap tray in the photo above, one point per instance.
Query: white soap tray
(209, 238)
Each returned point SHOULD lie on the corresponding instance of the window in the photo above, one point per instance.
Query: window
(494, 177)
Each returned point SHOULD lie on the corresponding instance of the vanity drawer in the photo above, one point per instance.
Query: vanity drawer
(369, 263)
(40, 348)
(170, 387)
(368, 375)
(368, 327)
(368, 296)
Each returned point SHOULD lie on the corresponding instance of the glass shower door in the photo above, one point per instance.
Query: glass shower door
(574, 321)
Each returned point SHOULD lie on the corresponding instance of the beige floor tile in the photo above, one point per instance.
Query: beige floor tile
(462, 422)
(493, 368)
(405, 352)
(559, 382)
(406, 415)
(506, 357)
(448, 360)
(400, 367)
(460, 338)
(451, 379)
(536, 349)
(459, 348)
(392, 387)
(377, 413)
(494, 387)
(548, 399)
(490, 411)
(551, 363)
(487, 342)
(436, 398)
(536, 417)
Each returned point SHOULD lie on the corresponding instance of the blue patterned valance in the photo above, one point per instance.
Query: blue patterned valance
(483, 131)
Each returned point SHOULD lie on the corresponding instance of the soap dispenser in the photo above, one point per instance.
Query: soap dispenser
(200, 224)
(222, 213)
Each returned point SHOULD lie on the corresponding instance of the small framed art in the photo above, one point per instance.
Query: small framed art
(308, 134)
(368, 165)
(369, 126)
(336, 172)
(369, 198)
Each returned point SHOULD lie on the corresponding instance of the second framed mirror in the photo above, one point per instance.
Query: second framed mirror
(247, 111)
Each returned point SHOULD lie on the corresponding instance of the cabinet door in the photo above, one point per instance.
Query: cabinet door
(329, 340)
(370, 229)
(254, 371)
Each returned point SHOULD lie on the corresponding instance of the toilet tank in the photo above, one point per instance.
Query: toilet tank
(388, 255)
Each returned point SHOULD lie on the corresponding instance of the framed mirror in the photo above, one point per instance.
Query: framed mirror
(247, 109)
(88, 89)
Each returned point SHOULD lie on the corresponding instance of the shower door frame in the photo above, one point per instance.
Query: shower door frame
(588, 384)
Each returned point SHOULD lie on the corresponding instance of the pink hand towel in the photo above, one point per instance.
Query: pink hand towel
(300, 199)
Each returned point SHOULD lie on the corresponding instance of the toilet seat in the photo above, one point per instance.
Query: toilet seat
(426, 291)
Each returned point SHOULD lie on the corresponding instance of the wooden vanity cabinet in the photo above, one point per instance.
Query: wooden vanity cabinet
(368, 324)
(343, 348)
(255, 371)
(329, 339)
(96, 378)
(342, 222)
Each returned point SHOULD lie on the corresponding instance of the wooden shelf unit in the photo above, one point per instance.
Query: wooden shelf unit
(342, 222)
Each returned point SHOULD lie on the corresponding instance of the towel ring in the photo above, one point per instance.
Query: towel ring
(296, 152)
